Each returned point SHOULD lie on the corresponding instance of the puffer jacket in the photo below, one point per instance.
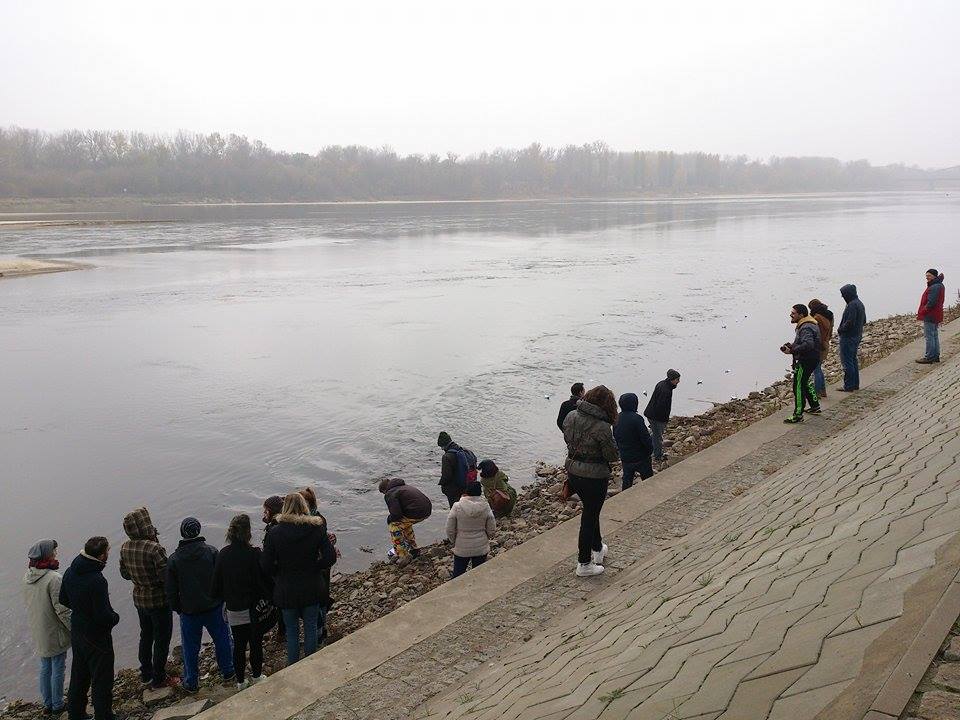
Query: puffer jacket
(144, 561)
(470, 525)
(931, 302)
(405, 501)
(49, 620)
(806, 344)
(590, 446)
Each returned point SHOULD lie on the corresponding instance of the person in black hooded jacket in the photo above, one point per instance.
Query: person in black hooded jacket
(295, 553)
(850, 332)
(633, 441)
(84, 590)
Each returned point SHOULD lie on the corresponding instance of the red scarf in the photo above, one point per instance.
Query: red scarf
(45, 564)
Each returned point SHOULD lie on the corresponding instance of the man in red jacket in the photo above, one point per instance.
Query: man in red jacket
(930, 314)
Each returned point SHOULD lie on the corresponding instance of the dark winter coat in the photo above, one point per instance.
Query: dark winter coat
(824, 319)
(295, 553)
(854, 314)
(661, 402)
(238, 578)
(590, 444)
(806, 343)
(405, 501)
(566, 407)
(189, 576)
(144, 561)
(457, 466)
(931, 302)
(84, 590)
(630, 432)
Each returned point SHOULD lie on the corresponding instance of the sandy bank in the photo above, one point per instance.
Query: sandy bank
(20, 267)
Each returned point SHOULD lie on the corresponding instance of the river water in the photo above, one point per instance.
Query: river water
(217, 355)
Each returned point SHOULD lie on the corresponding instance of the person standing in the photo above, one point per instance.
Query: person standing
(189, 579)
(658, 411)
(84, 590)
(457, 467)
(311, 498)
(49, 621)
(805, 350)
(590, 450)
(824, 317)
(239, 582)
(633, 441)
(144, 561)
(568, 406)
(406, 506)
(850, 332)
(497, 489)
(295, 553)
(930, 314)
(470, 525)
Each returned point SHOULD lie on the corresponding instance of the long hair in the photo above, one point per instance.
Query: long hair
(311, 497)
(238, 532)
(294, 504)
(602, 397)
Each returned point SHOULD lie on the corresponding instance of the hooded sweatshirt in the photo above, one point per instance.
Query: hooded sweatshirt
(84, 590)
(405, 501)
(931, 302)
(49, 620)
(144, 561)
(630, 432)
(806, 343)
(295, 553)
(190, 577)
(470, 525)
(854, 314)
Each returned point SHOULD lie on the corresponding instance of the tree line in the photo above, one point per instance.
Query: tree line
(97, 163)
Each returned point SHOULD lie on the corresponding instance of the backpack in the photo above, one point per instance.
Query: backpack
(466, 466)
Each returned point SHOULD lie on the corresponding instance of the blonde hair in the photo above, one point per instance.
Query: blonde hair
(294, 504)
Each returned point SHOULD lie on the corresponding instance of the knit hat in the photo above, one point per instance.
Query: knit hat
(672, 374)
(487, 468)
(42, 549)
(473, 489)
(443, 439)
(190, 528)
(274, 504)
(934, 272)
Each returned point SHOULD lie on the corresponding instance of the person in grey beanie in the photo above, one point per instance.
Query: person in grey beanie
(49, 621)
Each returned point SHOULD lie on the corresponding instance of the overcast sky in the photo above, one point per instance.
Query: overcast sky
(876, 80)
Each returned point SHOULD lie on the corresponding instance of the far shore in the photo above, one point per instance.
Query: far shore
(22, 267)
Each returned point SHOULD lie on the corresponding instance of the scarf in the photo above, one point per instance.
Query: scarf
(45, 564)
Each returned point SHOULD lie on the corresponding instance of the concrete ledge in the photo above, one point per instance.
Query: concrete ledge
(295, 688)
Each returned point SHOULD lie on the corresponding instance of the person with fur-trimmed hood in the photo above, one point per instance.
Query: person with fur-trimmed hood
(805, 349)
(295, 553)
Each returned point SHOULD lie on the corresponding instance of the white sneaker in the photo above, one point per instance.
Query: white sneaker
(258, 678)
(597, 558)
(243, 685)
(588, 569)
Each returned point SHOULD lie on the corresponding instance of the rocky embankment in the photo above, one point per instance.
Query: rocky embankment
(364, 596)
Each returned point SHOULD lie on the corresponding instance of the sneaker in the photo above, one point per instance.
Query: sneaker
(243, 685)
(231, 678)
(924, 361)
(170, 681)
(793, 419)
(588, 569)
(258, 678)
(189, 690)
(597, 558)
(814, 410)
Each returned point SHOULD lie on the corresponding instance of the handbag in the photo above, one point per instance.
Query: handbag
(265, 614)
(499, 501)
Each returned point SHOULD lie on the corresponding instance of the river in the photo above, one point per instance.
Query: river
(215, 355)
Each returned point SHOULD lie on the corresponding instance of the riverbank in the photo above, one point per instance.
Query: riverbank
(22, 267)
(367, 595)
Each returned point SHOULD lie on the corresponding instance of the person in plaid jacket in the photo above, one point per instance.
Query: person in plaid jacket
(144, 561)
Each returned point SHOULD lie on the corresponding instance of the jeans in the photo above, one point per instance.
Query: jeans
(819, 381)
(657, 429)
(291, 618)
(931, 334)
(803, 392)
(244, 635)
(592, 493)
(460, 564)
(848, 358)
(156, 629)
(631, 469)
(91, 669)
(51, 681)
(191, 631)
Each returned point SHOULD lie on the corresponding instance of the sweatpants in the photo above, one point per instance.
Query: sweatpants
(803, 390)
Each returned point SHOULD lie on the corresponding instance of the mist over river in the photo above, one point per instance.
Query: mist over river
(215, 355)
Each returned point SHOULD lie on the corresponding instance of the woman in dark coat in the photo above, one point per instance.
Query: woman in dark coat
(295, 554)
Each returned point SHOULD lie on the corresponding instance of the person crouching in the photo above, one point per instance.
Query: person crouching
(406, 507)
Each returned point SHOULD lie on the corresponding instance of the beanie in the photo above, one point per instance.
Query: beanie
(934, 272)
(190, 528)
(443, 439)
(274, 504)
(474, 489)
(42, 549)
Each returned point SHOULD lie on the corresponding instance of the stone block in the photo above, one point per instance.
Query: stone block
(153, 696)
(183, 710)
(952, 652)
(948, 676)
(939, 705)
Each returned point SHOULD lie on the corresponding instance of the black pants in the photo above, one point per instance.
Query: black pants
(460, 564)
(156, 628)
(244, 635)
(803, 392)
(91, 669)
(644, 469)
(592, 492)
(452, 492)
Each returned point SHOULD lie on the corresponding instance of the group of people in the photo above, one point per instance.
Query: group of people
(239, 592)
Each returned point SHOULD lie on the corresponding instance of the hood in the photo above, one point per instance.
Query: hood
(394, 483)
(474, 507)
(806, 321)
(305, 519)
(138, 526)
(593, 411)
(33, 574)
(84, 565)
(192, 548)
(825, 312)
(629, 402)
(939, 279)
(849, 292)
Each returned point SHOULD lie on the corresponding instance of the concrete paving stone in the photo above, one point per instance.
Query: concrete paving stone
(800, 647)
(768, 634)
(806, 704)
(881, 601)
(719, 686)
(916, 557)
(754, 699)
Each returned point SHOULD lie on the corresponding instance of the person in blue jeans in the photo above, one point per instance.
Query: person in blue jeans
(850, 332)
(296, 553)
(49, 621)
(189, 580)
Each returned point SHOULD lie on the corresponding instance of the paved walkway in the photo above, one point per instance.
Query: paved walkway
(788, 603)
